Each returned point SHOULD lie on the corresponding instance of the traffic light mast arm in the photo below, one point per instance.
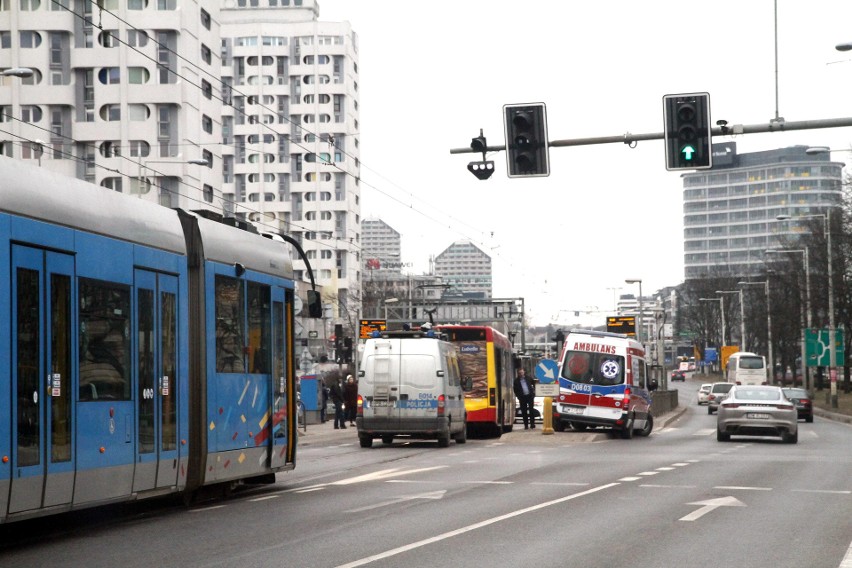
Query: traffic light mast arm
(629, 138)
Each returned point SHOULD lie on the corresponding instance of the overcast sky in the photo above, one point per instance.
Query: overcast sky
(433, 73)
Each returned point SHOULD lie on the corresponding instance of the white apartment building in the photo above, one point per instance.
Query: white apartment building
(132, 95)
(730, 210)
(121, 95)
(466, 269)
(291, 132)
(382, 249)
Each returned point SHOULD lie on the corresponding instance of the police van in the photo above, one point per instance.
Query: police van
(410, 386)
(603, 383)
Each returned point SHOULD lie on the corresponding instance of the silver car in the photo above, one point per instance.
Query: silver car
(718, 391)
(704, 393)
(757, 410)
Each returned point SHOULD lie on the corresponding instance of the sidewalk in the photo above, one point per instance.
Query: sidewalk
(823, 408)
(326, 435)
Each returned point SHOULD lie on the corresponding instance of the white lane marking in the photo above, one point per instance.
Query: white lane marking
(827, 491)
(648, 473)
(373, 476)
(847, 560)
(474, 482)
(629, 478)
(680, 464)
(205, 509)
(667, 486)
(738, 488)
(267, 498)
(665, 468)
(711, 505)
(556, 483)
(473, 527)
(431, 495)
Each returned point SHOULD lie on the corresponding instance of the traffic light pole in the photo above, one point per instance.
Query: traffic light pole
(722, 130)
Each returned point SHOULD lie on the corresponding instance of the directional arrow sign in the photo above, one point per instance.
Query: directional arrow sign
(687, 152)
(546, 371)
(430, 495)
(711, 504)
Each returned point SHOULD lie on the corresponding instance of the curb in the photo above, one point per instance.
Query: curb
(833, 416)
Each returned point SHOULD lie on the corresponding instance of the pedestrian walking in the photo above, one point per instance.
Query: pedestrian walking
(525, 391)
(336, 394)
(324, 404)
(350, 399)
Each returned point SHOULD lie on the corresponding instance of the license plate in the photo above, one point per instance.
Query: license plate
(758, 416)
(573, 410)
(382, 403)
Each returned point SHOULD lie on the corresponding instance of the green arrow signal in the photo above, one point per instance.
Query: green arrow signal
(687, 151)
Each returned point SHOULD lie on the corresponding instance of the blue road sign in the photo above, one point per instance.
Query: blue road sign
(546, 371)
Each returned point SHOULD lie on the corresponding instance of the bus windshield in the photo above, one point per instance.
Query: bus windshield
(593, 368)
(751, 362)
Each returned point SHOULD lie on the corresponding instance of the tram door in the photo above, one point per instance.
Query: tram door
(281, 367)
(155, 328)
(42, 348)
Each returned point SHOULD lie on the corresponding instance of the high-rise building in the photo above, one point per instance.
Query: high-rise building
(466, 269)
(381, 251)
(291, 132)
(730, 210)
(121, 94)
(247, 111)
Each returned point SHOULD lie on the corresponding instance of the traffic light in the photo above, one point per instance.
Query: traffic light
(527, 152)
(347, 349)
(687, 131)
(338, 340)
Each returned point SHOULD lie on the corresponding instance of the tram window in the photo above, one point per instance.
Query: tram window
(104, 341)
(260, 327)
(230, 325)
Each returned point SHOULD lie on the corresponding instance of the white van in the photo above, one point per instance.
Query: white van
(409, 386)
(746, 368)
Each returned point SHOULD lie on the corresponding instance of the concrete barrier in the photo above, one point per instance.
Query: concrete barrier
(663, 401)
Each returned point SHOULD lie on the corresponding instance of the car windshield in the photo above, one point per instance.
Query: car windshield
(722, 387)
(757, 394)
(705, 388)
(796, 393)
(593, 368)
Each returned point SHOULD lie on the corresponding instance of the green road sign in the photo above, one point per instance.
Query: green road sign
(816, 347)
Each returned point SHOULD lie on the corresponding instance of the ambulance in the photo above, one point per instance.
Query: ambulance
(603, 383)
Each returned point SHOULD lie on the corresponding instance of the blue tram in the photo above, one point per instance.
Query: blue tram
(146, 350)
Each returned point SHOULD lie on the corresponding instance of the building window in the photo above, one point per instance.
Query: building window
(137, 38)
(137, 75)
(109, 75)
(206, 54)
(205, 18)
(29, 39)
(30, 113)
(208, 193)
(207, 124)
(206, 89)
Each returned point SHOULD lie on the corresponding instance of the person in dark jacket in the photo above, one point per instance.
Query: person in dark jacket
(525, 391)
(350, 399)
(336, 393)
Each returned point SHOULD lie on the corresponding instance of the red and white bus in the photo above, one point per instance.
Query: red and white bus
(485, 363)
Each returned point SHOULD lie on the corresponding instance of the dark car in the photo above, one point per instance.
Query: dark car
(717, 393)
(802, 399)
(678, 375)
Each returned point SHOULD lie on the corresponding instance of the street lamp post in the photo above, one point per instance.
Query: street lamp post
(809, 324)
(742, 315)
(768, 326)
(721, 301)
(639, 331)
(832, 348)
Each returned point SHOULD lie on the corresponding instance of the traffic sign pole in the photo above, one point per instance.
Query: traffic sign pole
(547, 373)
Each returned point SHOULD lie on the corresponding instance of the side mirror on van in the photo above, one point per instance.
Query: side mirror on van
(653, 385)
